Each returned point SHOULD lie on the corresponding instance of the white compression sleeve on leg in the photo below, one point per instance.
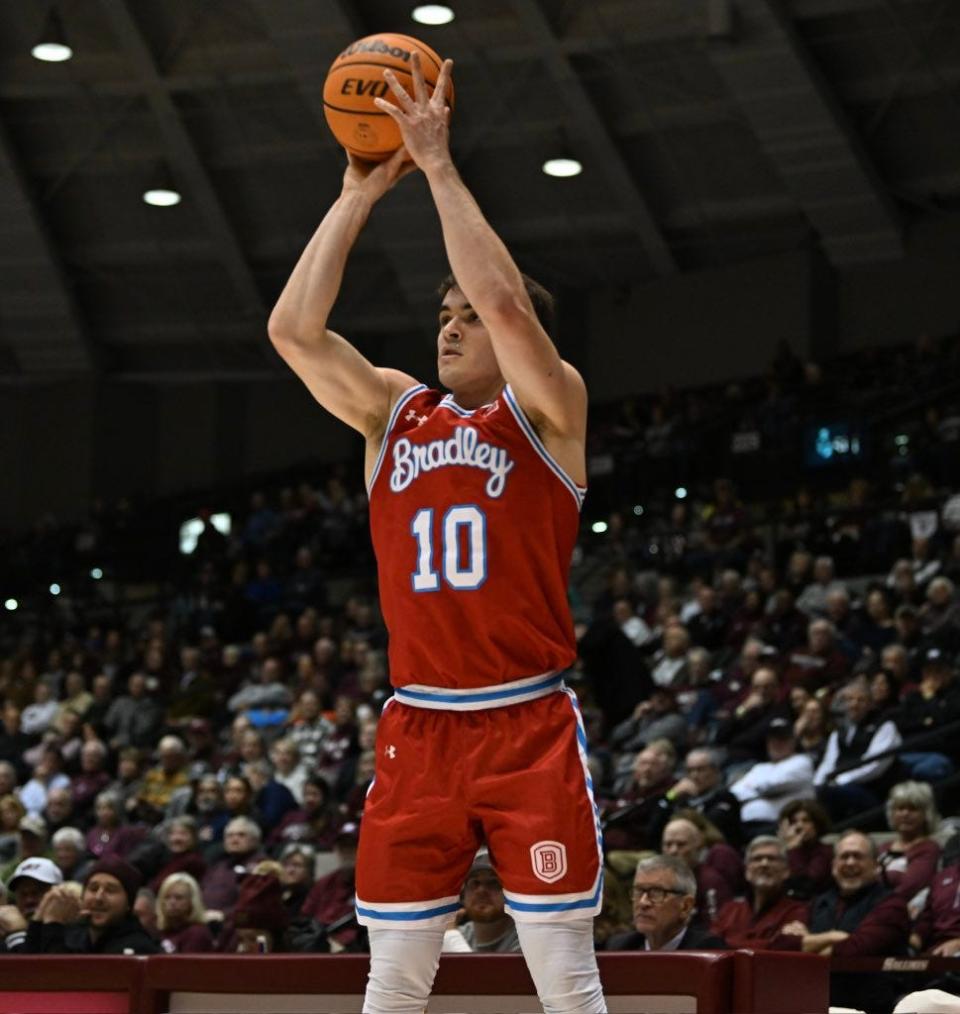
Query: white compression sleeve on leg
(563, 965)
(403, 964)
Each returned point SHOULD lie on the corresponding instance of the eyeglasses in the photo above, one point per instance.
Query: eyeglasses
(765, 859)
(655, 895)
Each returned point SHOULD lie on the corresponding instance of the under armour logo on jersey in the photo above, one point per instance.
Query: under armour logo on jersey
(411, 415)
(391, 751)
(549, 860)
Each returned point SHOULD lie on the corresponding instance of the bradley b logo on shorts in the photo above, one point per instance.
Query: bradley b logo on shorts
(549, 860)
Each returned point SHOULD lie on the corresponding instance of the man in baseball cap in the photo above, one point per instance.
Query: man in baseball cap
(100, 922)
(30, 882)
(487, 929)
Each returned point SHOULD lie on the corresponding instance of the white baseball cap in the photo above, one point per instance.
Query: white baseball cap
(37, 868)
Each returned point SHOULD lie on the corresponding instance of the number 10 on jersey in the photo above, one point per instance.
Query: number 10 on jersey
(461, 549)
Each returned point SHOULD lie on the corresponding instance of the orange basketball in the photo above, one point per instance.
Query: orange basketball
(355, 79)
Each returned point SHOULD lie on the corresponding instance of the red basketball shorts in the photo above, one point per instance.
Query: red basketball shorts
(446, 782)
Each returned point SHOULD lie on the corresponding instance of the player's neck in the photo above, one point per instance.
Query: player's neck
(472, 397)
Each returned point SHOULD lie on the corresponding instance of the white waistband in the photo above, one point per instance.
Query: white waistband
(479, 698)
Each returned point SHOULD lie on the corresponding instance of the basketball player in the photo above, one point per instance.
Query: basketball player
(474, 507)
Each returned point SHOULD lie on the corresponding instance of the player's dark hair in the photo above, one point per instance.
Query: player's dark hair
(542, 300)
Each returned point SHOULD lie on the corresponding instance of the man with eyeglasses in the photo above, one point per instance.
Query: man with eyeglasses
(757, 920)
(664, 891)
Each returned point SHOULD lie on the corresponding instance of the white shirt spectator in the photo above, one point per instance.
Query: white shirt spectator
(766, 788)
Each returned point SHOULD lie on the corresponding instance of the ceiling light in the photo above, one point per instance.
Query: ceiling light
(162, 197)
(11, 605)
(562, 166)
(598, 527)
(54, 589)
(432, 14)
(52, 45)
(163, 191)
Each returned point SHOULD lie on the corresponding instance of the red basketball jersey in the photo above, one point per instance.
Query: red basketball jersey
(473, 526)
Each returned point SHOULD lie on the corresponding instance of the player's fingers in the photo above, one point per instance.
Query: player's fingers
(398, 90)
(419, 85)
(442, 87)
(390, 109)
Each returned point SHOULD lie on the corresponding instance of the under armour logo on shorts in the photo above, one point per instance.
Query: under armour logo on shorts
(391, 751)
(549, 860)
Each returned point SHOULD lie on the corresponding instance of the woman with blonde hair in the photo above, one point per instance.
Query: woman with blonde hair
(910, 860)
(181, 917)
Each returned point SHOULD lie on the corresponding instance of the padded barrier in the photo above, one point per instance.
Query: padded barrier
(693, 982)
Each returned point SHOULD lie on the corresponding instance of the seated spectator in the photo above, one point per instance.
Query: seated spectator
(935, 703)
(298, 861)
(70, 853)
(271, 800)
(812, 727)
(668, 667)
(664, 893)
(911, 859)
(744, 732)
(757, 919)
(162, 780)
(658, 717)
(238, 798)
(858, 917)
(129, 780)
(813, 599)
(308, 729)
(937, 928)
(14, 742)
(636, 819)
(135, 718)
(709, 626)
(702, 789)
(58, 812)
(288, 769)
(315, 823)
(47, 774)
(259, 918)
(264, 693)
(884, 693)
(31, 844)
(819, 664)
(110, 835)
(38, 716)
(145, 909)
(182, 853)
(717, 867)
(30, 882)
(101, 922)
(767, 787)
(241, 852)
(331, 899)
(800, 827)
(940, 615)
(181, 917)
(487, 928)
(844, 790)
(92, 779)
(207, 808)
(877, 628)
(12, 812)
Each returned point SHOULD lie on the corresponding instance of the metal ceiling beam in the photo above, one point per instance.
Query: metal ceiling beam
(608, 158)
(801, 127)
(39, 317)
(185, 160)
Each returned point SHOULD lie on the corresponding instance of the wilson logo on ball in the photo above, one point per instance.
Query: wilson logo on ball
(376, 46)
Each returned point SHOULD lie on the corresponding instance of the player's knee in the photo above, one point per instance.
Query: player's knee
(577, 997)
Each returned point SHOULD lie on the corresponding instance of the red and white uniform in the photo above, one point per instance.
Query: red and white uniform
(473, 525)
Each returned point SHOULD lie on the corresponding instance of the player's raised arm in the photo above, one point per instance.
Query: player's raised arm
(337, 375)
(548, 389)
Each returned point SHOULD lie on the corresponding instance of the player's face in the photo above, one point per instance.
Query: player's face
(465, 357)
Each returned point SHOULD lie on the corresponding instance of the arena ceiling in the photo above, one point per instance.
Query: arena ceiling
(711, 131)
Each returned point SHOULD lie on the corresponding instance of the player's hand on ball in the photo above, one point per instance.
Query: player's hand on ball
(424, 119)
(374, 179)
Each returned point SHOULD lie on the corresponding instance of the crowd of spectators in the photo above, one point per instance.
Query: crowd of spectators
(753, 675)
